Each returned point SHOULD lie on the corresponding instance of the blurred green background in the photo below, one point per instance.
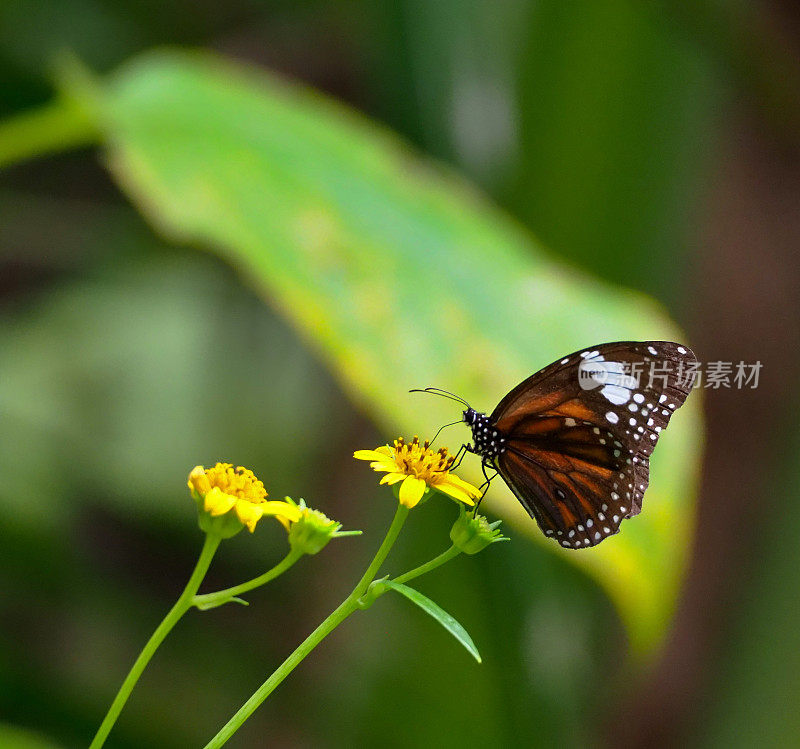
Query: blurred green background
(204, 259)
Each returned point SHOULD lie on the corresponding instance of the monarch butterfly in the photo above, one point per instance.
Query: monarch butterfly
(573, 441)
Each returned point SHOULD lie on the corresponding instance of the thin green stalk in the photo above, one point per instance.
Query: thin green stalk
(59, 125)
(445, 556)
(182, 605)
(209, 600)
(347, 607)
(383, 551)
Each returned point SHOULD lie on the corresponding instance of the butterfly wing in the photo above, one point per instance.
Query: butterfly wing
(579, 434)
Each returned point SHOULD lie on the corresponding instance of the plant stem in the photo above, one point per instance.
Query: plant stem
(207, 600)
(347, 607)
(383, 551)
(182, 605)
(445, 556)
(59, 125)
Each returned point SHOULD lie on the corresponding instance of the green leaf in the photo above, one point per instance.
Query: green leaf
(206, 604)
(438, 613)
(396, 271)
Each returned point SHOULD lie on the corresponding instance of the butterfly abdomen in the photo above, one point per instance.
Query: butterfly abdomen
(488, 440)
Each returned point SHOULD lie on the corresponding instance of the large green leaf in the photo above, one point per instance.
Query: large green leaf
(396, 271)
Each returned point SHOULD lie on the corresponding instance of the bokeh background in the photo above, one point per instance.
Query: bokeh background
(648, 146)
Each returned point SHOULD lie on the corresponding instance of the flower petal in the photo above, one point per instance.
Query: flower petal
(388, 466)
(370, 455)
(199, 481)
(455, 492)
(465, 486)
(392, 478)
(217, 502)
(249, 513)
(411, 491)
(281, 510)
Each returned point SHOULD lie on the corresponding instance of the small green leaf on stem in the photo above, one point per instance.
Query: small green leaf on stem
(213, 603)
(438, 613)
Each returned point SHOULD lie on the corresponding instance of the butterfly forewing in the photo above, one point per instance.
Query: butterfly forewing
(579, 433)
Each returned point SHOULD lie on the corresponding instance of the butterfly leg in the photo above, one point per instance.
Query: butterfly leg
(462, 451)
(484, 487)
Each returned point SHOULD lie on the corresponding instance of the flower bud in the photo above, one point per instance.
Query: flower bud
(473, 533)
(312, 531)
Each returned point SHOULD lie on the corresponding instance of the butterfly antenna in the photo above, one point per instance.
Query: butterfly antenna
(439, 431)
(443, 393)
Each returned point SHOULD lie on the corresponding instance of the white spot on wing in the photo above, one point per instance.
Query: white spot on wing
(615, 394)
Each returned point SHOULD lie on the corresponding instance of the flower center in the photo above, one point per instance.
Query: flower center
(237, 482)
(415, 459)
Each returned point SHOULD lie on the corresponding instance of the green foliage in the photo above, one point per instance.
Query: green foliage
(616, 109)
(12, 737)
(397, 272)
(438, 613)
(759, 682)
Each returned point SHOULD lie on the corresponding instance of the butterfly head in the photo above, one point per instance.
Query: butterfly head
(470, 416)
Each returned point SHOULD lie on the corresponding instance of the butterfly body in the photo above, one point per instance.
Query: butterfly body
(487, 441)
(573, 441)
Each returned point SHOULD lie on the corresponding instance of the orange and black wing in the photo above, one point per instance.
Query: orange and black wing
(579, 435)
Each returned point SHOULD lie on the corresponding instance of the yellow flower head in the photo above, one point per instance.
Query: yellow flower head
(418, 467)
(223, 488)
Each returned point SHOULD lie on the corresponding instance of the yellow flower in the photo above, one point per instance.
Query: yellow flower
(418, 467)
(223, 488)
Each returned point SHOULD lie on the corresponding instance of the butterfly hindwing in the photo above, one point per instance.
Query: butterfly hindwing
(560, 477)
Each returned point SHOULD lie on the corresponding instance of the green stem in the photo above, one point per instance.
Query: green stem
(445, 556)
(182, 605)
(59, 125)
(383, 551)
(209, 600)
(347, 607)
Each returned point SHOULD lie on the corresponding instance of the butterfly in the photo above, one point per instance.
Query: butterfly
(573, 441)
